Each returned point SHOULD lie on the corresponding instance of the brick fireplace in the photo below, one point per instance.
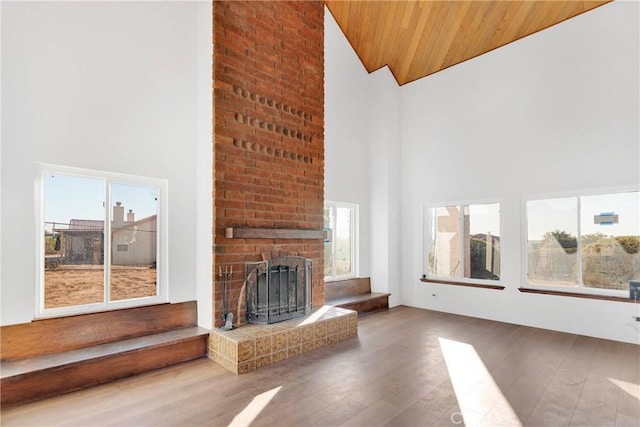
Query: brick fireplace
(268, 103)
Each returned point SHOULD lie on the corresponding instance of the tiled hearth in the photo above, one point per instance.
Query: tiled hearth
(253, 346)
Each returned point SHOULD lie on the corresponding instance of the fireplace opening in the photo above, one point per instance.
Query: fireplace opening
(278, 289)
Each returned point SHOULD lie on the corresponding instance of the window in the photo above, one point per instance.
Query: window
(340, 249)
(463, 242)
(587, 242)
(92, 257)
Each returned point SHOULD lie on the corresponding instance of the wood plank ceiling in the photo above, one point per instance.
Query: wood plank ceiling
(419, 38)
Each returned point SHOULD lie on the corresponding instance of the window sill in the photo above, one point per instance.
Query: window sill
(577, 295)
(469, 285)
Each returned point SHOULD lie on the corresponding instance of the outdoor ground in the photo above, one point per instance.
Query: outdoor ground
(84, 284)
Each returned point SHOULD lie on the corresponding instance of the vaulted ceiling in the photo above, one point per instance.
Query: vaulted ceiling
(419, 38)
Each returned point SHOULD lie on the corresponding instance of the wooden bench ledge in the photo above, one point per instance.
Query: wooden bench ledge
(12, 368)
(355, 294)
(356, 298)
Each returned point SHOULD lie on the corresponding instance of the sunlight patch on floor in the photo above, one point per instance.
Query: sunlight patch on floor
(254, 408)
(475, 389)
(631, 389)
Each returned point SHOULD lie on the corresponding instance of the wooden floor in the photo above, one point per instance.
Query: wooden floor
(407, 367)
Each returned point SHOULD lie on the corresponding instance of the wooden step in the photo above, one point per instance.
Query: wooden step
(48, 357)
(367, 303)
(52, 374)
(355, 294)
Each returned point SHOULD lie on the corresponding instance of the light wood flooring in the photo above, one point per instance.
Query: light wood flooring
(407, 367)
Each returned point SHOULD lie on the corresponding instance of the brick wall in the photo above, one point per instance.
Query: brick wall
(268, 102)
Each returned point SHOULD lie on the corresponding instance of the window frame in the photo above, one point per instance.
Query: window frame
(162, 296)
(353, 237)
(580, 289)
(426, 215)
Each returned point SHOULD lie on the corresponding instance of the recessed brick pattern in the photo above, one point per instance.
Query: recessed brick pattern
(275, 152)
(257, 123)
(268, 105)
(271, 103)
(250, 347)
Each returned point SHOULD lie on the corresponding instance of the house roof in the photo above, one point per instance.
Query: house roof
(76, 225)
(86, 224)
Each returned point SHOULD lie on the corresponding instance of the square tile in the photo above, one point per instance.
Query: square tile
(213, 341)
(263, 361)
(320, 330)
(294, 351)
(332, 326)
(341, 323)
(280, 355)
(230, 366)
(294, 337)
(279, 342)
(307, 334)
(263, 346)
(224, 347)
(352, 320)
(246, 350)
(232, 350)
(244, 367)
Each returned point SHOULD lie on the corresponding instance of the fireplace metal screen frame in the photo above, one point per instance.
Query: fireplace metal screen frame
(268, 281)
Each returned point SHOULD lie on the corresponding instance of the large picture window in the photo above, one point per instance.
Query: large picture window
(463, 242)
(589, 242)
(100, 242)
(340, 249)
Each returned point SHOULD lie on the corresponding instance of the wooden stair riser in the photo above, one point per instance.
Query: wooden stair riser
(64, 379)
(367, 306)
(67, 333)
(355, 294)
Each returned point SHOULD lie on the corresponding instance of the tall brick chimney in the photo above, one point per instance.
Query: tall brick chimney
(118, 215)
(268, 103)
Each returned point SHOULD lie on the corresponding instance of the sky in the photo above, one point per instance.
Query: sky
(561, 214)
(67, 197)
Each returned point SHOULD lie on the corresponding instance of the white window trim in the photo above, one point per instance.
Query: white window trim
(354, 244)
(580, 288)
(426, 235)
(162, 246)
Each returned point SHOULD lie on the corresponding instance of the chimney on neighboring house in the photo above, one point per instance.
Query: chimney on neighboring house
(131, 217)
(118, 215)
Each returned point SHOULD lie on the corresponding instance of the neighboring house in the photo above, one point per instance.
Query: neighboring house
(132, 242)
(82, 242)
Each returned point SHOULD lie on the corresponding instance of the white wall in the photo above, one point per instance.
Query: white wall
(113, 86)
(556, 111)
(346, 131)
(362, 156)
(204, 165)
(384, 150)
